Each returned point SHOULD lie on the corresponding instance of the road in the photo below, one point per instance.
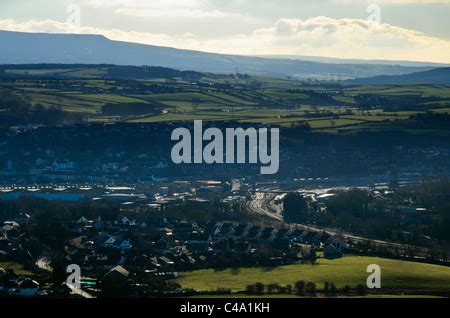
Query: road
(262, 204)
(80, 292)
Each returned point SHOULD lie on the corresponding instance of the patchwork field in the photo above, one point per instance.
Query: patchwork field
(184, 97)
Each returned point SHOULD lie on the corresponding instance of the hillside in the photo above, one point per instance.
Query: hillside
(96, 49)
(110, 93)
(334, 60)
(437, 76)
(88, 71)
(407, 277)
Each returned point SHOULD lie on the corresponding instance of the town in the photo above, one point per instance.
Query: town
(137, 242)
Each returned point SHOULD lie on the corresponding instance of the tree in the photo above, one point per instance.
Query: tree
(250, 289)
(273, 288)
(255, 289)
(59, 274)
(311, 289)
(195, 103)
(300, 287)
(333, 289)
(361, 290)
(347, 289)
(289, 289)
(295, 208)
(259, 288)
(326, 288)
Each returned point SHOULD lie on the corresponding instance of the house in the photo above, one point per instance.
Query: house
(407, 209)
(63, 165)
(266, 234)
(333, 251)
(243, 247)
(295, 235)
(282, 234)
(83, 221)
(323, 237)
(28, 287)
(240, 230)
(22, 218)
(79, 242)
(10, 226)
(253, 232)
(166, 261)
(125, 245)
(143, 226)
(126, 221)
(308, 237)
(4, 242)
(99, 224)
(117, 274)
(164, 243)
(110, 242)
(225, 229)
(10, 234)
(197, 247)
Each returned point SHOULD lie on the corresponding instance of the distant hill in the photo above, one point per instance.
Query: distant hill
(27, 48)
(355, 61)
(435, 76)
(88, 71)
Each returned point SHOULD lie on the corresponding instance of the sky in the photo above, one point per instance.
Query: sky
(415, 30)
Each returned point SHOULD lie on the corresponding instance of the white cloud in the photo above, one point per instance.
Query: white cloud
(173, 13)
(352, 38)
(320, 36)
(146, 3)
(161, 8)
(394, 2)
(52, 26)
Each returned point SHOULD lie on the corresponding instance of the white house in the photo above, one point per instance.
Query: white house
(82, 220)
(125, 245)
(111, 241)
(63, 165)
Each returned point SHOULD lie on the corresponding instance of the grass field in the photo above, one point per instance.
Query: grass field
(397, 276)
(293, 296)
(18, 268)
(261, 100)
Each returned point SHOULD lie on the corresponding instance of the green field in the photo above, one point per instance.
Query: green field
(397, 276)
(293, 296)
(18, 268)
(255, 99)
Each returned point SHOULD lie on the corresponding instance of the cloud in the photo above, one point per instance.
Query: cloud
(353, 38)
(174, 13)
(394, 2)
(146, 3)
(319, 36)
(161, 8)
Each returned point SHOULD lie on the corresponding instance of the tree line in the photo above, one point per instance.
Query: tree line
(18, 110)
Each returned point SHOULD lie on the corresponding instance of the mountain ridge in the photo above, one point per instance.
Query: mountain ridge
(435, 76)
(98, 49)
(335, 60)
